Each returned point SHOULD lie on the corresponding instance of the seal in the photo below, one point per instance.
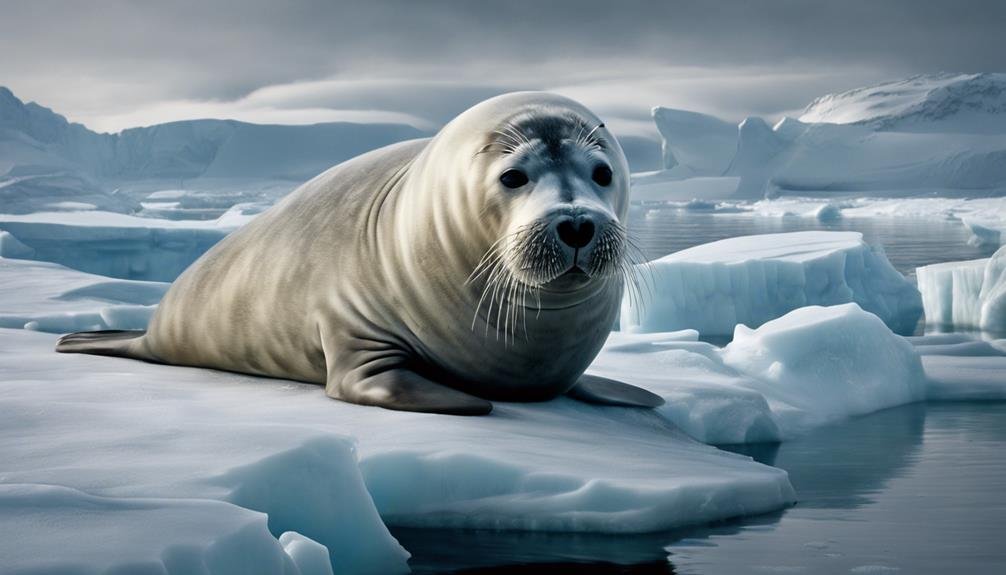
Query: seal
(485, 263)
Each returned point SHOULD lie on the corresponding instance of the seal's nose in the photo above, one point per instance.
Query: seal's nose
(575, 234)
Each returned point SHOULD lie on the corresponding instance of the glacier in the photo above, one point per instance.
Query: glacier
(752, 279)
(49, 163)
(968, 294)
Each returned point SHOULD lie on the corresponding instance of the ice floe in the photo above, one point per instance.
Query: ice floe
(968, 294)
(124, 429)
(812, 366)
(752, 279)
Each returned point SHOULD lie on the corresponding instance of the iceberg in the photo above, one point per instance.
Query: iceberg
(753, 279)
(960, 368)
(940, 133)
(696, 144)
(812, 366)
(968, 294)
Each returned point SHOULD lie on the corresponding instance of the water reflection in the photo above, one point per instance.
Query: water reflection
(845, 465)
(483, 551)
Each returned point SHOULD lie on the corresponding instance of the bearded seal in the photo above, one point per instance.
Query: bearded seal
(485, 263)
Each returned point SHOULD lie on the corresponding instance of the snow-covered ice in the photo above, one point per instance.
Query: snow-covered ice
(953, 101)
(43, 296)
(968, 294)
(123, 429)
(812, 366)
(752, 279)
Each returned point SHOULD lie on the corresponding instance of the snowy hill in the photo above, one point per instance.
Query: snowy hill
(928, 135)
(952, 102)
(46, 161)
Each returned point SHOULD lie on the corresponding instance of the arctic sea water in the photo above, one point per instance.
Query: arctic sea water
(914, 489)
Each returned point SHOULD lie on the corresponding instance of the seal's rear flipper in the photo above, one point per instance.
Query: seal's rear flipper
(117, 343)
(604, 391)
(405, 390)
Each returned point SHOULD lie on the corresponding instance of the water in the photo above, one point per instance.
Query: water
(915, 489)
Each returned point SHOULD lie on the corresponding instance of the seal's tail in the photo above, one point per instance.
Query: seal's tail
(117, 343)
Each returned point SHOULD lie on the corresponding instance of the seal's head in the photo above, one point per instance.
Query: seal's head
(524, 196)
(563, 184)
(555, 194)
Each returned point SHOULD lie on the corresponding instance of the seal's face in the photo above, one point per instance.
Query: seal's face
(561, 187)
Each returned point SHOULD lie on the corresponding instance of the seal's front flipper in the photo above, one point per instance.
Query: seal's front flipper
(405, 390)
(604, 391)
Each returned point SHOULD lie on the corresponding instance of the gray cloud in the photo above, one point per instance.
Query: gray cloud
(113, 63)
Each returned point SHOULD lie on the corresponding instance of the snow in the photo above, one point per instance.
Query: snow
(47, 297)
(972, 101)
(813, 366)
(829, 363)
(968, 294)
(752, 279)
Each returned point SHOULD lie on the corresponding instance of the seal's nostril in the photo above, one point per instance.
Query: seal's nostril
(575, 234)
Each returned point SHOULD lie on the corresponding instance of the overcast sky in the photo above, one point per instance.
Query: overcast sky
(112, 64)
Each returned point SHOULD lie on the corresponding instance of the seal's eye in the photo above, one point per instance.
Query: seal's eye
(513, 178)
(601, 175)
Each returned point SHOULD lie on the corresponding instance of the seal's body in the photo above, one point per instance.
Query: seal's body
(483, 262)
